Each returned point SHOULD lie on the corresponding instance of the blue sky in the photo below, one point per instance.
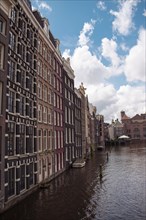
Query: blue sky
(105, 41)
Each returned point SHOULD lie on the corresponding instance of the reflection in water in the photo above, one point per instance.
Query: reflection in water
(80, 194)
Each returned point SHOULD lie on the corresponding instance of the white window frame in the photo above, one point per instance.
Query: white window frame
(1, 56)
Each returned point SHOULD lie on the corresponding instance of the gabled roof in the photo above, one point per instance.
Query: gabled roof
(125, 117)
(137, 117)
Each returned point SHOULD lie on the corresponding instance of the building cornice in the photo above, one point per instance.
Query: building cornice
(67, 68)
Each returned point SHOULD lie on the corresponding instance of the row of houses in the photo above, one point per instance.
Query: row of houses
(45, 122)
(133, 127)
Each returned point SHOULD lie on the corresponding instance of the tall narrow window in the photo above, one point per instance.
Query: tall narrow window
(31, 173)
(45, 140)
(50, 140)
(10, 139)
(22, 177)
(45, 112)
(29, 139)
(39, 139)
(1, 94)
(12, 41)
(23, 51)
(22, 105)
(22, 139)
(13, 15)
(1, 56)
(11, 101)
(39, 113)
(11, 181)
(11, 70)
(45, 93)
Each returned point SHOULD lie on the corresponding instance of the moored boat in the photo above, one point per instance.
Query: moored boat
(78, 163)
(100, 148)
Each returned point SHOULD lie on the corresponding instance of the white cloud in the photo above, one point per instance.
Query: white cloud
(135, 66)
(124, 47)
(85, 33)
(88, 69)
(109, 48)
(110, 102)
(101, 5)
(44, 5)
(123, 23)
(144, 13)
(33, 8)
(66, 54)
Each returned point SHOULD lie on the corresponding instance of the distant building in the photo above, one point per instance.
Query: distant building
(78, 124)
(69, 117)
(100, 129)
(93, 127)
(134, 127)
(85, 117)
(83, 104)
(115, 129)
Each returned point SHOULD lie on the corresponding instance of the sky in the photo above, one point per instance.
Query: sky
(106, 43)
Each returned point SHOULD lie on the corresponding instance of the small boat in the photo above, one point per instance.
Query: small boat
(100, 148)
(78, 163)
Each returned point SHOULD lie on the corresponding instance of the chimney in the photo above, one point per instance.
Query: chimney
(122, 114)
(57, 42)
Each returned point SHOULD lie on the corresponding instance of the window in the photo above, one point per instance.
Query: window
(45, 72)
(11, 181)
(40, 90)
(22, 105)
(31, 173)
(1, 56)
(49, 117)
(45, 140)
(55, 114)
(40, 139)
(1, 89)
(29, 83)
(45, 114)
(45, 93)
(11, 72)
(40, 46)
(55, 144)
(50, 140)
(23, 51)
(13, 15)
(21, 78)
(2, 26)
(22, 177)
(29, 139)
(23, 26)
(11, 102)
(22, 139)
(40, 113)
(12, 41)
(10, 139)
(49, 96)
(45, 52)
(30, 109)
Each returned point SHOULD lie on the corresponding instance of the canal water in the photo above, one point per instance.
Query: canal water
(80, 194)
